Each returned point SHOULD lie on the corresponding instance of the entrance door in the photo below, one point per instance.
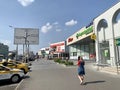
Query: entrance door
(86, 52)
(104, 53)
(118, 54)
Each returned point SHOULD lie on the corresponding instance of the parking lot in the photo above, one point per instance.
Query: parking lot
(47, 75)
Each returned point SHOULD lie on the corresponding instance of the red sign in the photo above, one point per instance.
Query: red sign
(59, 47)
(57, 44)
(70, 39)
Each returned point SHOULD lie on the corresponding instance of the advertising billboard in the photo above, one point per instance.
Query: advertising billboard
(26, 36)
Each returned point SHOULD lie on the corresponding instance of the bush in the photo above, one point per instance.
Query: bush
(58, 60)
(62, 62)
(69, 63)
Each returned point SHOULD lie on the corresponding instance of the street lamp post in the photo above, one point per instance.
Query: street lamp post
(16, 45)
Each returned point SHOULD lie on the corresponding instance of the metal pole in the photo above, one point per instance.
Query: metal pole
(28, 52)
(23, 49)
(16, 51)
(26, 47)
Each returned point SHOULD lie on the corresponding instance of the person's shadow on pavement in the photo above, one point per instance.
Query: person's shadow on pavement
(92, 82)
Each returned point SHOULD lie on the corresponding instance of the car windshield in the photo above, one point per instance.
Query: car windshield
(4, 68)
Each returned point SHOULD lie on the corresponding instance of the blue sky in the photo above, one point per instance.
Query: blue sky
(56, 19)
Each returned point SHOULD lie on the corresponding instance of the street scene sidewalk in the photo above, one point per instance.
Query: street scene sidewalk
(47, 75)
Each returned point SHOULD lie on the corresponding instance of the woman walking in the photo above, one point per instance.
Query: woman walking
(81, 70)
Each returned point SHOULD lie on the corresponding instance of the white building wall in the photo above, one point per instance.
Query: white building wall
(111, 32)
(108, 33)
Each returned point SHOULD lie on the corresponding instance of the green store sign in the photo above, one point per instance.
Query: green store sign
(117, 42)
(85, 32)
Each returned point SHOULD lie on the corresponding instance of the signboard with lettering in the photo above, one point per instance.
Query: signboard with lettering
(70, 39)
(59, 47)
(93, 36)
(26, 36)
(117, 42)
(85, 32)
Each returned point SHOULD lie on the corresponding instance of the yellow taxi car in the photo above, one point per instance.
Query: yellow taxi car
(21, 66)
(14, 75)
(18, 62)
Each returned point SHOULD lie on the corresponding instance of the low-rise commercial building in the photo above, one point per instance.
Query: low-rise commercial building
(4, 50)
(81, 44)
(59, 50)
(107, 31)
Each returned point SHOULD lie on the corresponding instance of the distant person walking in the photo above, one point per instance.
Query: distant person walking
(81, 69)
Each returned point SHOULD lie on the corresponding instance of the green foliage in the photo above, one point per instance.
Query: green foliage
(69, 63)
(57, 60)
(66, 62)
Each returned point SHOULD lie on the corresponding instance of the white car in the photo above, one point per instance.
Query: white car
(14, 75)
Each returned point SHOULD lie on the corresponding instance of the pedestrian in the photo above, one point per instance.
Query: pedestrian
(81, 69)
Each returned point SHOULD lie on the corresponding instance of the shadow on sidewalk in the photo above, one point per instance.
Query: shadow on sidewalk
(94, 82)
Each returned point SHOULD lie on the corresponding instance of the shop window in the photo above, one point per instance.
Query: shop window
(104, 51)
(118, 18)
(71, 54)
(74, 53)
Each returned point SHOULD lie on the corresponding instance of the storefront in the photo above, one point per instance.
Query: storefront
(107, 31)
(58, 50)
(81, 44)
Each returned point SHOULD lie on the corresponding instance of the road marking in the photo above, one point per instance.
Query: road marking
(20, 83)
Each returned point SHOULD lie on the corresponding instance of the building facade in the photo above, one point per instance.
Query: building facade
(44, 52)
(4, 50)
(107, 31)
(59, 50)
(81, 44)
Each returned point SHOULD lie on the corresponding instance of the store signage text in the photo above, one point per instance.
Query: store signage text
(85, 32)
(70, 39)
(58, 44)
(117, 42)
(93, 36)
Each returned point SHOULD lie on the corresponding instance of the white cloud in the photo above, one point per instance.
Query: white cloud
(46, 28)
(55, 23)
(51, 26)
(25, 2)
(71, 23)
(58, 30)
(6, 42)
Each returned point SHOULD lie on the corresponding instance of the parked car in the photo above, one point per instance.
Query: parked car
(14, 75)
(19, 62)
(21, 66)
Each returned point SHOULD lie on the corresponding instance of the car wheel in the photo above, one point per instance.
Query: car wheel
(15, 78)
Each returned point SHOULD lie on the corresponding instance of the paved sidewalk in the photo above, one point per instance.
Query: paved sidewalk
(47, 75)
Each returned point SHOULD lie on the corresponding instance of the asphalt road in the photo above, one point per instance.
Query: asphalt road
(7, 86)
(47, 75)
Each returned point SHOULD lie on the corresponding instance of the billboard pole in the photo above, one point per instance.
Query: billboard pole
(16, 51)
(27, 46)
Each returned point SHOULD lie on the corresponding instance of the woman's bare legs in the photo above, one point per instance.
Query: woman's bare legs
(81, 78)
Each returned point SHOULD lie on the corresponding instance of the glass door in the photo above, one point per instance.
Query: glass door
(104, 52)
